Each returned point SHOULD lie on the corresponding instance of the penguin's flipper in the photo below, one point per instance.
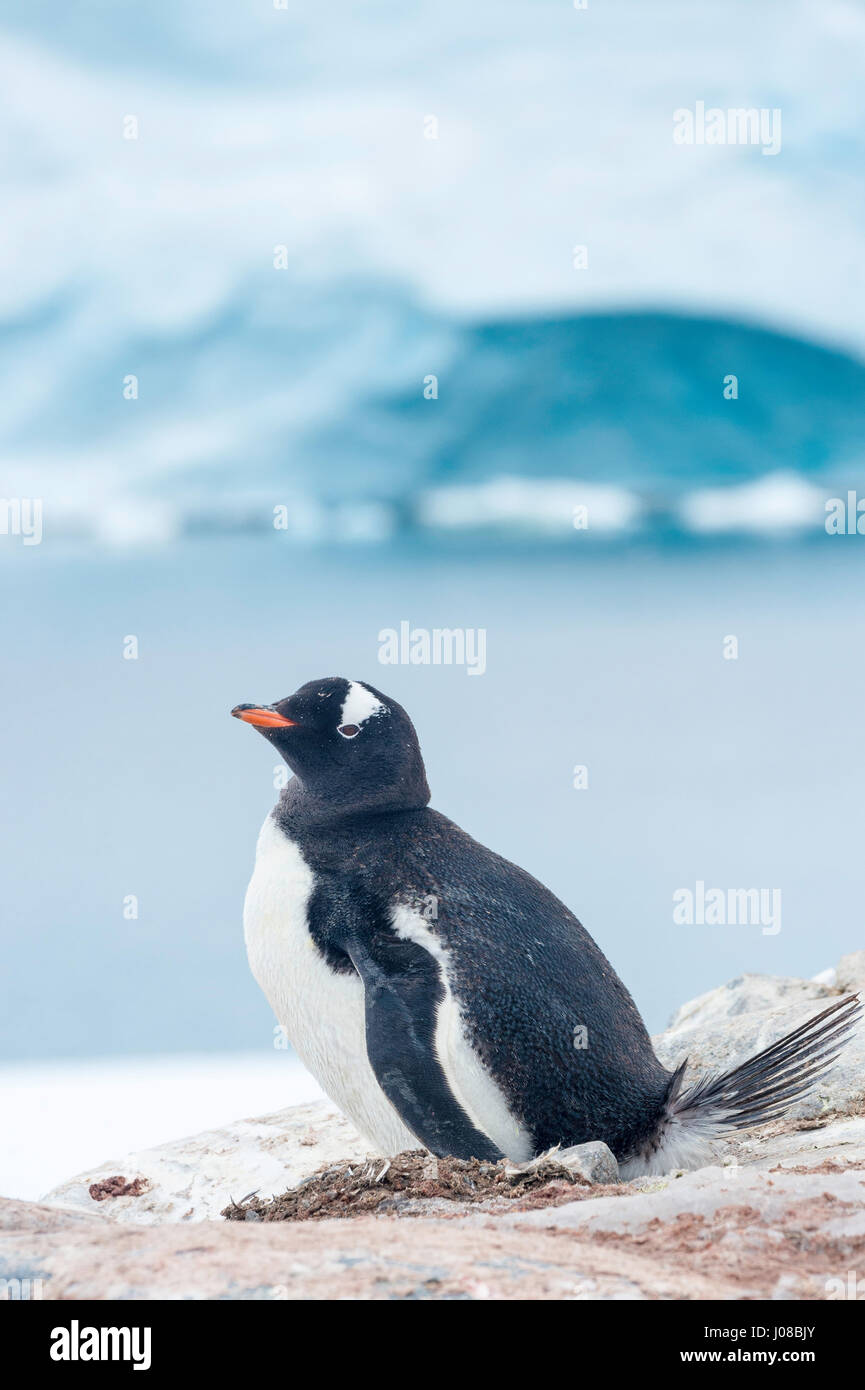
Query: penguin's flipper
(402, 989)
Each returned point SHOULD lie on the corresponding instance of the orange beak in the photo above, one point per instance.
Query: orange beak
(262, 718)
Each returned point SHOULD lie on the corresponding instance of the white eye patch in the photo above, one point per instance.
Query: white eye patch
(359, 705)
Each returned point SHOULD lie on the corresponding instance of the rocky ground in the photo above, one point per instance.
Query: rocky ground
(780, 1213)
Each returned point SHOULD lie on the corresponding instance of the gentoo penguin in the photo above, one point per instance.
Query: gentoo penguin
(441, 996)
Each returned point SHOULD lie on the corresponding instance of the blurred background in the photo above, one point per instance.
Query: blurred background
(424, 279)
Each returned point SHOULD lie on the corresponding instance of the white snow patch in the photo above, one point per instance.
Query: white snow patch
(61, 1117)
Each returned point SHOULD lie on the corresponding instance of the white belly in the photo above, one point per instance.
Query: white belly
(321, 1011)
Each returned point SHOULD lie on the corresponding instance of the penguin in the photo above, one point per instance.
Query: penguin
(443, 997)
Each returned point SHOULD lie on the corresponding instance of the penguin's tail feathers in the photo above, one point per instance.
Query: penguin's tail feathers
(754, 1093)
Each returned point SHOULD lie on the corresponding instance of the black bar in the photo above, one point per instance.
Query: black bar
(267, 1335)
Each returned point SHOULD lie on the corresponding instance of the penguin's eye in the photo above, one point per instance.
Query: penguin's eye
(349, 730)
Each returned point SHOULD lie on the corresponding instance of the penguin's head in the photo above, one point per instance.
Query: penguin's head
(350, 746)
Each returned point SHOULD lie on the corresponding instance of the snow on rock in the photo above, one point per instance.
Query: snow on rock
(850, 975)
(725, 1027)
(193, 1179)
(736, 1228)
(778, 1222)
